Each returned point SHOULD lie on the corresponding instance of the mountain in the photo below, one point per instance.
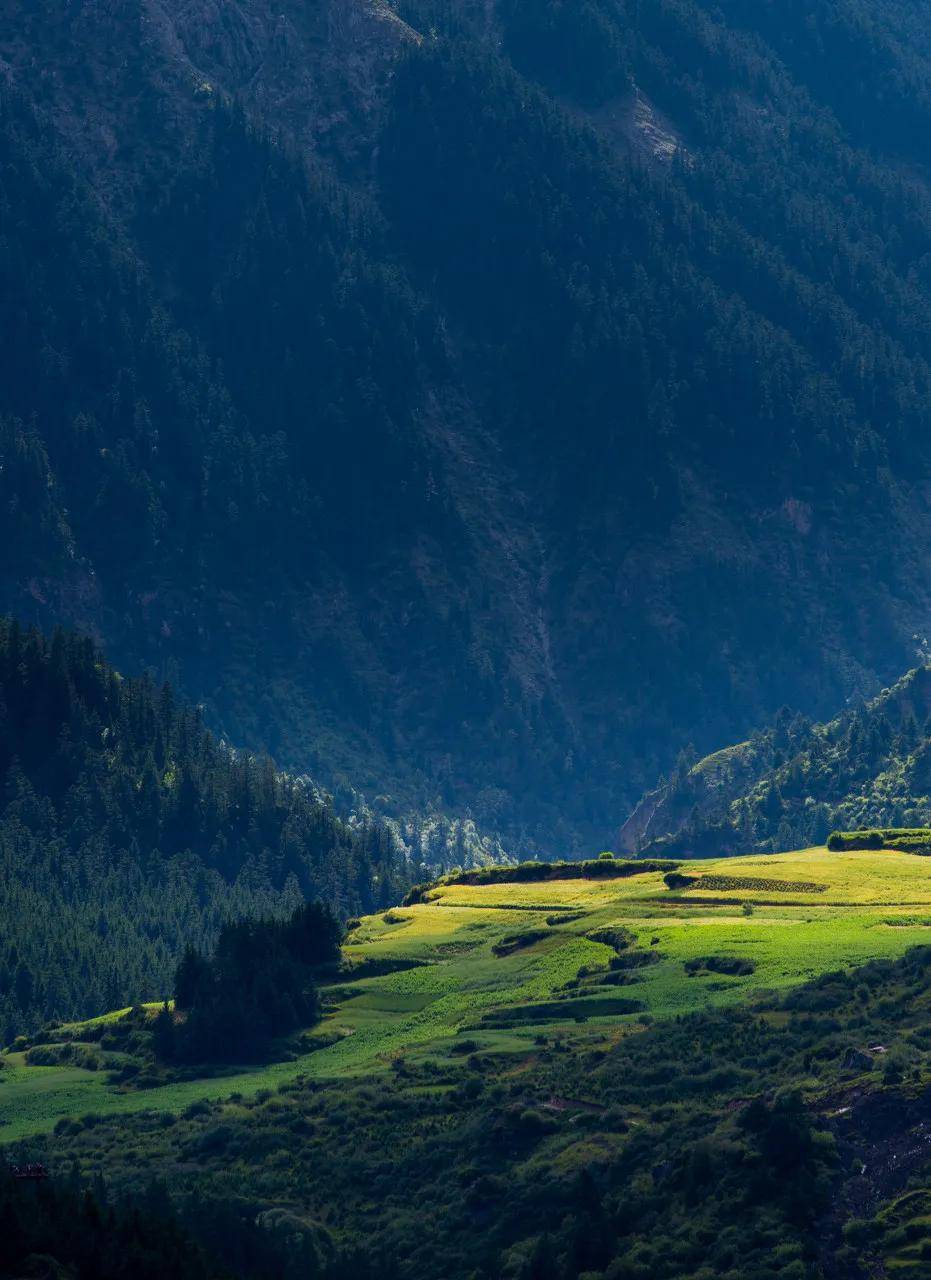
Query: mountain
(482, 409)
(793, 783)
(471, 405)
(128, 832)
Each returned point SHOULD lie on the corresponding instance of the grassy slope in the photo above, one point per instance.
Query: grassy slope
(872, 905)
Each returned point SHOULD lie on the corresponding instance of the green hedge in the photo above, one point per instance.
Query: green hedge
(907, 839)
(592, 869)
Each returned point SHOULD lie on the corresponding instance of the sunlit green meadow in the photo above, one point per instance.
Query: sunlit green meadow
(448, 971)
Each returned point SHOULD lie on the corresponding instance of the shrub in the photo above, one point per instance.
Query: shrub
(195, 1109)
(464, 1046)
(675, 880)
(518, 941)
(732, 966)
(527, 872)
(415, 895)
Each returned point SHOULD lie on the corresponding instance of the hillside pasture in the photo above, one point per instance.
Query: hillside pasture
(602, 957)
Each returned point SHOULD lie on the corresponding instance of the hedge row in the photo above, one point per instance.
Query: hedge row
(526, 872)
(907, 839)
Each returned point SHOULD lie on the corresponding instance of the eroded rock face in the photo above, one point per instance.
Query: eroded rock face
(127, 83)
(315, 71)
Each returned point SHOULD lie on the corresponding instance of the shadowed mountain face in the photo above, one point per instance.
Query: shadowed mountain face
(471, 404)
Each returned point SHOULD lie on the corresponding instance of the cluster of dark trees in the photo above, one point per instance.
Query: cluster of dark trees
(259, 983)
(127, 831)
(76, 1233)
(66, 1227)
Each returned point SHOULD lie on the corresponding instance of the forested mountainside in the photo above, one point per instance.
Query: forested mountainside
(128, 832)
(471, 404)
(793, 783)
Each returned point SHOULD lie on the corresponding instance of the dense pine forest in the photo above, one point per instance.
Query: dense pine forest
(438, 367)
(93, 1234)
(129, 832)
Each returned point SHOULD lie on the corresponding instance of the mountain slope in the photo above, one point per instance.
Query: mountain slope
(128, 832)
(501, 956)
(489, 399)
(795, 782)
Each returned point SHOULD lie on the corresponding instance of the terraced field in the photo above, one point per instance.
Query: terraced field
(495, 966)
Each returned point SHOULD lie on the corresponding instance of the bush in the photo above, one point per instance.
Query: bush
(675, 880)
(908, 839)
(464, 1046)
(415, 895)
(732, 966)
(518, 941)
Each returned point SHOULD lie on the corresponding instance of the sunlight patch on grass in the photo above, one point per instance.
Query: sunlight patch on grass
(460, 988)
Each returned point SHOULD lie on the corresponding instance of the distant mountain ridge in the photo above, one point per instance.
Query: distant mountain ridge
(471, 404)
(794, 783)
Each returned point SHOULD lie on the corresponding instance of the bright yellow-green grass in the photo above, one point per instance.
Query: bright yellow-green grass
(905, 1242)
(812, 911)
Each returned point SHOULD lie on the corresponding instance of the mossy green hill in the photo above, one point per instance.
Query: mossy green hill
(492, 967)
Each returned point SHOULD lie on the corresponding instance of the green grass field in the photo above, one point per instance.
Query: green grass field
(461, 973)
